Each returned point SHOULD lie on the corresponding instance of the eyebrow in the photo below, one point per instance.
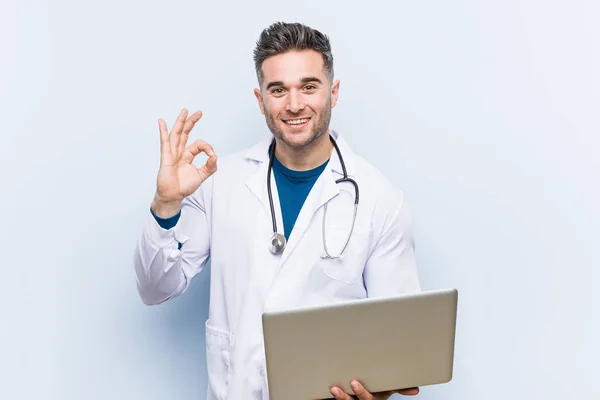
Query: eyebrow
(307, 79)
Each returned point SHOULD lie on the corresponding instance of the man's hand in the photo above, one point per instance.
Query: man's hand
(178, 177)
(362, 394)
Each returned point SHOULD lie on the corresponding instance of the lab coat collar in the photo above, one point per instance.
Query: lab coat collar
(260, 152)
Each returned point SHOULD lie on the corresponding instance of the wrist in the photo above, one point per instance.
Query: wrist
(164, 209)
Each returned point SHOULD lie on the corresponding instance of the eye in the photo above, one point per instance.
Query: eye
(310, 88)
(277, 91)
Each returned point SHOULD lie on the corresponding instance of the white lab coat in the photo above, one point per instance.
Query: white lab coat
(228, 220)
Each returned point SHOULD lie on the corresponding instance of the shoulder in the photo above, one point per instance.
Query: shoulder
(233, 163)
(240, 164)
(382, 200)
(385, 202)
(378, 186)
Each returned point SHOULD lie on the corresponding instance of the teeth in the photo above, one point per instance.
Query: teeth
(296, 121)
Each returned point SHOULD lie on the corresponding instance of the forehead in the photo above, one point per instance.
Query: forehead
(290, 67)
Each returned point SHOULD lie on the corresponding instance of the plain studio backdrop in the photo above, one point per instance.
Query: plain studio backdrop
(485, 112)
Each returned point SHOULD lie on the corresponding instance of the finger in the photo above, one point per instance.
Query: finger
(209, 168)
(187, 128)
(199, 146)
(175, 135)
(360, 391)
(165, 150)
(409, 392)
(339, 394)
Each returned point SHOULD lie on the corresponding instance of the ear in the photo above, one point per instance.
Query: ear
(259, 98)
(335, 89)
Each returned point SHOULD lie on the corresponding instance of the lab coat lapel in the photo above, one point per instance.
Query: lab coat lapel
(257, 183)
(323, 190)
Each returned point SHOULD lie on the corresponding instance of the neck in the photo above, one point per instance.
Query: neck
(306, 157)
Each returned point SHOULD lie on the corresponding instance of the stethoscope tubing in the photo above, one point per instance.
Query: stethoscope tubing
(278, 241)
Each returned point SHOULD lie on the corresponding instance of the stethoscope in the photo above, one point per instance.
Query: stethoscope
(278, 242)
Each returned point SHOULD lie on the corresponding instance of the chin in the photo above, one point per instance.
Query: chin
(298, 139)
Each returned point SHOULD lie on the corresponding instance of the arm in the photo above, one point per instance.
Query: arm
(391, 268)
(166, 260)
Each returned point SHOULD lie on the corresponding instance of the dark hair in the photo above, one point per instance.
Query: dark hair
(282, 37)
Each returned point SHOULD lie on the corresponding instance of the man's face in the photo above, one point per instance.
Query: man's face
(296, 97)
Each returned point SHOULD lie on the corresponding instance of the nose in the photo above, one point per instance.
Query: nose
(295, 103)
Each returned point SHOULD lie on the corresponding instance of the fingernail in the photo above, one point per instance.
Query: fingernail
(354, 385)
(334, 391)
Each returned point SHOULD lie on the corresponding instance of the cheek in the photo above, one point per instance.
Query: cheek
(318, 105)
(272, 108)
(320, 100)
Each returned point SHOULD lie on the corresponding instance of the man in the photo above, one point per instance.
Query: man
(231, 216)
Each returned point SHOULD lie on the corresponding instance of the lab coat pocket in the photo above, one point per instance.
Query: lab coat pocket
(218, 362)
(348, 268)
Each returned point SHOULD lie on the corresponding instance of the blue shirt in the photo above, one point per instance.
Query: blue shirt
(293, 188)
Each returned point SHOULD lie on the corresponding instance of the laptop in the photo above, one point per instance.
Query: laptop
(386, 343)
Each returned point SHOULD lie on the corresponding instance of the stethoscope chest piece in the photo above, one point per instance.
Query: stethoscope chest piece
(277, 243)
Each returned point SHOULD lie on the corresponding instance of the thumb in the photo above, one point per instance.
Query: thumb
(211, 163)
(209, 168)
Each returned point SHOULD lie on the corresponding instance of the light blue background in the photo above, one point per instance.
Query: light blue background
(485, 112)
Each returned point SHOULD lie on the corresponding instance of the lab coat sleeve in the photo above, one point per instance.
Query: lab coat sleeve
(162, 270)
(391, 268)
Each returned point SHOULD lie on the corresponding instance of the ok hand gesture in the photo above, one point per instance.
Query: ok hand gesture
(178, 177)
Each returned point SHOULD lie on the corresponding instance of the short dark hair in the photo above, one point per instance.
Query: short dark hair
(282, 37)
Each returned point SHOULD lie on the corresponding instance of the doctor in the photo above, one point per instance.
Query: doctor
(282, 188)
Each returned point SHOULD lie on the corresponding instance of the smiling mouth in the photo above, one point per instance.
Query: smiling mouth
(296, 122)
